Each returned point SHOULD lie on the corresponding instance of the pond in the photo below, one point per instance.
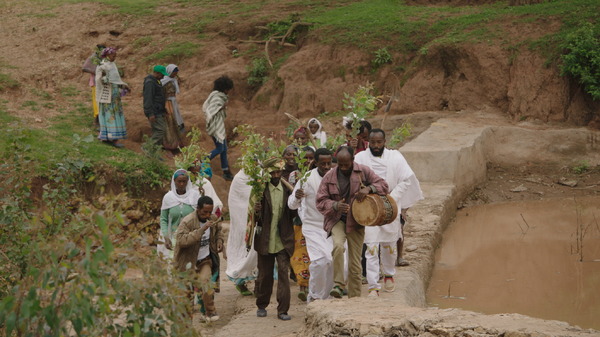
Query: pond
(537, 258)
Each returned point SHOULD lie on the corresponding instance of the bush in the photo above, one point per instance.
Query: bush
(64, 274)
(259, 70)
(382, 56)
(582, 61)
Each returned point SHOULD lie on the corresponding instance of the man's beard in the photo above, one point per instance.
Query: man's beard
(377, 152)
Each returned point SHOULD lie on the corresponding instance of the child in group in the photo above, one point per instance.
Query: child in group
(301, 136)
(316, 129)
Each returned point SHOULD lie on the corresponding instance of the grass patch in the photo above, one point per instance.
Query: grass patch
(174, 51)
(7, 82)
(370, 24)
(33, 105)
(43, 94)
(142, 42)
(131, 7)
(55, 144)
(124, 7)
(69, 91)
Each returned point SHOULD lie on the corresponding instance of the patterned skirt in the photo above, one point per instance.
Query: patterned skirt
(111, 118)
(300, 260)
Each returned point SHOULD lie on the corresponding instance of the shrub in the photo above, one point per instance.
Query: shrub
(258, 72)
(64, 274)
(382, 56)
(582, 60)
(399, 135)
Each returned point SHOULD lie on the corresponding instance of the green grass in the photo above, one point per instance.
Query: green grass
(57, 142)
(125, 7)
(174, 52)
(403, 28)
(142, 42)
(7, 82)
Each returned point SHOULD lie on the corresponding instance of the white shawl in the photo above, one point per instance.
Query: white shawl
(172, 199)
(317, 243)
(209, 191)
(168, 79)
(404, 186)
(320, 134)
(104, 83)
(241, 264)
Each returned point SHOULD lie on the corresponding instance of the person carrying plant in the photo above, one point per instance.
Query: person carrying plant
(274, 241)
(317, 245)
(199, 241)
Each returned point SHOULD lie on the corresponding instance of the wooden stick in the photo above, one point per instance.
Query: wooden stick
(265, 41)
(291, 30)
(287, 184)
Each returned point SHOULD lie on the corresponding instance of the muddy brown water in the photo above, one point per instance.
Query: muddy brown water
(523, 257)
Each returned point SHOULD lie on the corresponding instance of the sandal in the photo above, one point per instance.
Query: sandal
(401, 262)
(242, 289)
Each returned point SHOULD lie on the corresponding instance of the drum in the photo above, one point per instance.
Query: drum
(375, 210)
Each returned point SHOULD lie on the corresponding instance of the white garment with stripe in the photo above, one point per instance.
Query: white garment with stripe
(318, 245)
(403, 184)
(209, 191)
(241, 264)
(387, 252)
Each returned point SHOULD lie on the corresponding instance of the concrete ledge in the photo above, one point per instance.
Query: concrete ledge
(381, 317)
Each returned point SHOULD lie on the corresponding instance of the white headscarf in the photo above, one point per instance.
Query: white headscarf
(320, 134)
(168, 79)
(318, 123)
(172, 199)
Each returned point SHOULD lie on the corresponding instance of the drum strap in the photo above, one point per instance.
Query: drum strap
(362, 180)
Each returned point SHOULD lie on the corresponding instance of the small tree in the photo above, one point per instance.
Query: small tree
(582, 61)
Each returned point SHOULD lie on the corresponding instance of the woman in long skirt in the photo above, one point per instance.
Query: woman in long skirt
(108, 94)
(171, 85)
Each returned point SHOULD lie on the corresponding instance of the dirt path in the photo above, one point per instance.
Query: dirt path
(238, 313)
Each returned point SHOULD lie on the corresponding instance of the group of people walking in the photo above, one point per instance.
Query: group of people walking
(306, 223)
(160, 90)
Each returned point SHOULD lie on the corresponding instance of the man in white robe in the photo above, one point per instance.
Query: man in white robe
(241, 263)
(304, 199)
(405, 190)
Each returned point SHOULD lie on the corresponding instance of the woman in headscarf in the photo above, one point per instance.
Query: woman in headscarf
(108, 95)
(316, 129)
(180, 201)
(171, 85)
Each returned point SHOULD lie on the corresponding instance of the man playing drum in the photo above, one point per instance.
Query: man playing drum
(319, 246)
(405, 190)
(338, 189)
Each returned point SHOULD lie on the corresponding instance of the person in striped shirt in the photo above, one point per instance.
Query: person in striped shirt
(215, 112)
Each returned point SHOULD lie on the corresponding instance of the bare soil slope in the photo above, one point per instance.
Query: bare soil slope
(47, 43)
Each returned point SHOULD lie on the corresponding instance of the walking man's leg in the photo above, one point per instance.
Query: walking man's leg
(355, 242)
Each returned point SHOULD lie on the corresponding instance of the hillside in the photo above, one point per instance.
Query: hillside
(483, 61)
